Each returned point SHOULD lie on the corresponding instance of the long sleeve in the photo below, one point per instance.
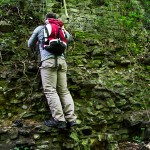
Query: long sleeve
(68, 35)
(34, 37)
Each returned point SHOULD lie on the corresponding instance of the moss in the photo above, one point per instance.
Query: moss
(108, 72)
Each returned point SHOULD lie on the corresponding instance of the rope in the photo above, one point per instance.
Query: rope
(43, 7)
(64, 1)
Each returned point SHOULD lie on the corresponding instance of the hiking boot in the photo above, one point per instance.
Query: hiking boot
(55, 123)
(71, 124)
(18, 123)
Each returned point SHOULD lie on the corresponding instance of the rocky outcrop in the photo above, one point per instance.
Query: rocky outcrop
(108, 77)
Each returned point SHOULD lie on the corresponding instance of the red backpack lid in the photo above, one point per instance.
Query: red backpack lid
(55, 21)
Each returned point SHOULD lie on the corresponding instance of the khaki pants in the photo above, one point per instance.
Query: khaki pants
(54, 83)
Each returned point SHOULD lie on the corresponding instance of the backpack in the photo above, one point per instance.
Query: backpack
(54, 37)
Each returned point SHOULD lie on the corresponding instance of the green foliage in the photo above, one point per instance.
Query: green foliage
(148, 68)
(131, 14)
(19, 17)
(138, 139)
(21, 148)
(98, 2)
(21, 14)
(74, 136)
(127, 21)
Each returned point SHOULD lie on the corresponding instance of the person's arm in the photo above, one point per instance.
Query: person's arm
(34, 38)
(68, 35)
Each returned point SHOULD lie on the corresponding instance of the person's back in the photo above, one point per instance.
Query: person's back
(54, 81)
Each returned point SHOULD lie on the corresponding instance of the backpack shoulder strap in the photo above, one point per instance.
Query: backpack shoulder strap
(58, 34)
(47, 30)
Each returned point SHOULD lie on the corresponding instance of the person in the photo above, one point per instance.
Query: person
(54, 80)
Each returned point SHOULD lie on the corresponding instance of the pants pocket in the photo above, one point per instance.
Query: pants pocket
(49, 63)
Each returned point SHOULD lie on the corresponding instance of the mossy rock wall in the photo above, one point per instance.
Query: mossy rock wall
(108, 75)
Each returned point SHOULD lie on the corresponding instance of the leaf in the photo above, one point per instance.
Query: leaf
(74, 136)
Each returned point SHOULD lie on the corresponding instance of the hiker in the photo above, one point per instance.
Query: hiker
(53, 74)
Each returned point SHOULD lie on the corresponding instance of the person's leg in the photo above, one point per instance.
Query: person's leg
(65, 96)
(49, 81)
